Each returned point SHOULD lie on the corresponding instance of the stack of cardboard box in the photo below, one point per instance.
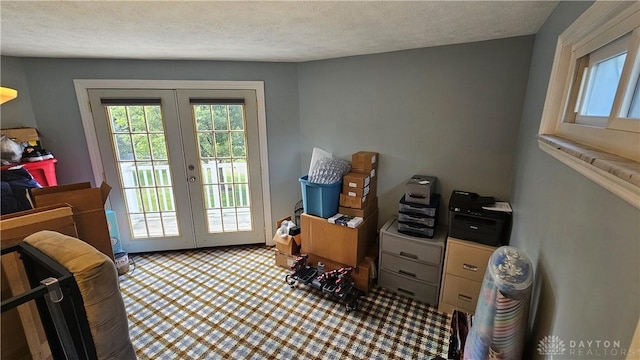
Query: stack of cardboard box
(287, 246)
(337, 245)
(359, 187)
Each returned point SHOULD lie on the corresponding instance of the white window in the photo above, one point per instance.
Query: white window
(591, 117)
(600, 81)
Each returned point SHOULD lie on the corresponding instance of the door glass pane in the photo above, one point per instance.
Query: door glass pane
(236, 117)
(119, 119)
(158, 146)
(124, 147)
(222, 144)
(137, 119)
(214, 217)
(223, 166)
(206, 145)
(238, 144)
(141, 147)
(137, 134)
(154, 119)
(220, 117)
(202, 114)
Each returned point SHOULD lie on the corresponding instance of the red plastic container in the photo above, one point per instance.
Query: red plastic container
(44, 172)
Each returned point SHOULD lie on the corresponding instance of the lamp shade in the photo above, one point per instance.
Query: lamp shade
(7, 94)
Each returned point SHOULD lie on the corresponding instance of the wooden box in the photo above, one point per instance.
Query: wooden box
(22, 332)
(336, 242)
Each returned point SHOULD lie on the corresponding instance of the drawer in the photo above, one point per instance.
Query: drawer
(420, 250)
(468, 262)
(414, 289)
(430, 210)
(460, 292)
(414, 229)
(447, 308)
(422, 220)
(410, 268)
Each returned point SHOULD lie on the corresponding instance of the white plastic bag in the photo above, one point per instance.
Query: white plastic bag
(11, 151)
(316, 156)
(286, 225)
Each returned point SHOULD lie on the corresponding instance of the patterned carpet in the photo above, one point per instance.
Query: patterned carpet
(233, 303)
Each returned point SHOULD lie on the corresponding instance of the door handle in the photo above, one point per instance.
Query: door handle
(191, 179)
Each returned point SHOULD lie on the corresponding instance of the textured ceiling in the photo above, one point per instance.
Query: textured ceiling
(262, 31)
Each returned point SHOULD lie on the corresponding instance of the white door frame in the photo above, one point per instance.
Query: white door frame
(82, 86)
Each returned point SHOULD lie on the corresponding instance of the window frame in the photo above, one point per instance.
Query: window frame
(606, 52)
(619, 142)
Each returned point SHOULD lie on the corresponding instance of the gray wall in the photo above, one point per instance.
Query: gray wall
(17, 112)
(451, 112)
(583, 240)
(58, 118)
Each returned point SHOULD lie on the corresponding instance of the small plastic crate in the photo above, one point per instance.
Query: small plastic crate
(421, 220)
(320, 199)
(44, 172)
(420, 209)
(416, 230)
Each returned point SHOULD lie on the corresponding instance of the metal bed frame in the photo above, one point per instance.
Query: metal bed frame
(59, 303)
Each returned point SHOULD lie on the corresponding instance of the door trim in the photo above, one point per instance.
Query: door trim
(83, 85)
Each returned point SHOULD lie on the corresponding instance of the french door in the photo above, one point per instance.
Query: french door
(184, 166)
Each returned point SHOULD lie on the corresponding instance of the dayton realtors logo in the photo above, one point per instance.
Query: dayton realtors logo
(551, 345)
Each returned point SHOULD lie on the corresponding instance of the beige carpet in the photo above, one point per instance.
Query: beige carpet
(233, 303)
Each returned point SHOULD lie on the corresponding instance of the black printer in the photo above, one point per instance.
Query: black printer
(469, 220)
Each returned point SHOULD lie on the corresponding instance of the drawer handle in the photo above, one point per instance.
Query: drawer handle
(412, 256)
(410, 293)
(417, 196)
(402, 272)
(473, 227)
(464, 298)
(469, 267)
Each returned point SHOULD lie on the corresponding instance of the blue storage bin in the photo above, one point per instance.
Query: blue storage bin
(320, 199)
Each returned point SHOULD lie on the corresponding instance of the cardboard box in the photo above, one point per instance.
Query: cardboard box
(364, 160)
(354, 201)
(336, 242)
(363, 213)
(16, 226)
(289, 245)
(372, 173)
(88, 210)
(356, 180)
(284, 260)
(352, 191)
(26, 334)
(29, 135)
